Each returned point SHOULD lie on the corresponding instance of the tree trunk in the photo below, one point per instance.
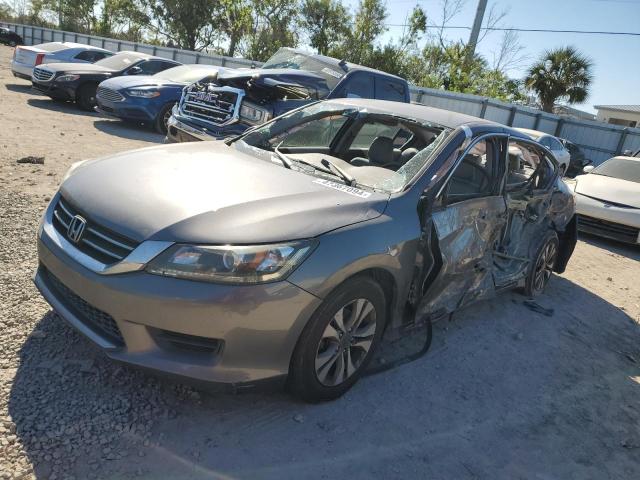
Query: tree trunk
(547, 105)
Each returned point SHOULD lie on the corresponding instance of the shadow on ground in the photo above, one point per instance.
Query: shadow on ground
(47, 103)
(21, 88)
(128, 130)
(505, 392)
(626, 250)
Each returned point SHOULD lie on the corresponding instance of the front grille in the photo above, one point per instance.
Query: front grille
(100, 322)
(96, 241)
(42, 75)
(109, 95)
(608, 229)
(216, 105)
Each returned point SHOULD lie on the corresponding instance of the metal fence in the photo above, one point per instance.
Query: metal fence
(598, 140)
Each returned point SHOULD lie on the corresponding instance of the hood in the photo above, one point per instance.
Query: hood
(134, 81)
(77, 68)
(208, 192)
(609, 189)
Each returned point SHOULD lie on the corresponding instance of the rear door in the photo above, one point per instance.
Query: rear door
(468, 218)
(530, 176)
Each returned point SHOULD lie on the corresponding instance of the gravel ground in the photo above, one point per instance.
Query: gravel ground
(505, 391)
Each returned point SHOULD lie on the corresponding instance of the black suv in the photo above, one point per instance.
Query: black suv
(10, 38)
(233, 100)
(79, 82)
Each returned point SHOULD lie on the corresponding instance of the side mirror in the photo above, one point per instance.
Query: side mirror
(588, 169)
(134, 71)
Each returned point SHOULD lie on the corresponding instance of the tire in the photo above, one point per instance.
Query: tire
(12, 43)
(86, 97)
(542, 265)
(319, 370)
(160, 123)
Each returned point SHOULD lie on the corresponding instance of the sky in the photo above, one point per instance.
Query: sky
(616, 58)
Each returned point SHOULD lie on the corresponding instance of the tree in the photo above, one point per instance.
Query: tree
(369, 25)
(326, 22)
(273, 27)
(563, 74)
(187, 23)
(234, 21)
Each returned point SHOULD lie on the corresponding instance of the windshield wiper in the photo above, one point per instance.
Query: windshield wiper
(341, 173)
(286, 161)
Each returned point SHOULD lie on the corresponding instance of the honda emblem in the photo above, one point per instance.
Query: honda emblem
(76, 228)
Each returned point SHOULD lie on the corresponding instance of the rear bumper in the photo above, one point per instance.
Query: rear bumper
(238, 336)
(21, 70)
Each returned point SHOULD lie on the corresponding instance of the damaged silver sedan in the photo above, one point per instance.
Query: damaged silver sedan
(289, 253)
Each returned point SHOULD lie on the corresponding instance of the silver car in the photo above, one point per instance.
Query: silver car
(554, 144)
(26, 58)
(286, 254)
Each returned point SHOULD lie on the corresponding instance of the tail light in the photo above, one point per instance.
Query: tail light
(39, 58)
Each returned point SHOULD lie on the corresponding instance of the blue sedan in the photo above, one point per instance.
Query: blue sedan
(149, 98)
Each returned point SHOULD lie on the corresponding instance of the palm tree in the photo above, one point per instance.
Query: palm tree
(560, 74)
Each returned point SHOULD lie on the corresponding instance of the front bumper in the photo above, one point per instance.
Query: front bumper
(610, 221)
(55, 90)
(125, 110)
(238, 336)
(183, 129)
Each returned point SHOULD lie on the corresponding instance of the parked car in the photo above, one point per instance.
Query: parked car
(552, 143)
(287, 253)
(26, 58)
(577, 161)
(9, 37)
(149, 98)
(608, 199)
(238, 99)
(79, 83)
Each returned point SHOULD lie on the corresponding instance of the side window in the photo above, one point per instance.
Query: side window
(359, 85)
(554, 144)
(316, 133)
(475, 176)
(389, 89)
(370, 131)
(527, 164)
(544, 141)
(87, 56)
(151, 67)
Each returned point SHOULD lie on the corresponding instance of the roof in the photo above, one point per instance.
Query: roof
(619, 108)
(145, 55)
(535, 134)
(445, 118)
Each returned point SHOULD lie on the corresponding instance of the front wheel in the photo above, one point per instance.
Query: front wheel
(339, 341)
(542, 265)
(87, 97)
(161, 122)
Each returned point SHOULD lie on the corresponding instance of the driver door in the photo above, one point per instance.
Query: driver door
(468, 218)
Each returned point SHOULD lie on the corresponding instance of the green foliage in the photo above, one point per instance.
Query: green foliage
(327, 23)
(274, 23)
(561, 74)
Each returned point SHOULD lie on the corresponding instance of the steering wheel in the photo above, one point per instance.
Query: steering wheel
(485, 176)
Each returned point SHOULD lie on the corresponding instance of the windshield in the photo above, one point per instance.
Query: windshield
(119, 61)
(287, 58)
(620, 168)
(376, 150)
(187, 73)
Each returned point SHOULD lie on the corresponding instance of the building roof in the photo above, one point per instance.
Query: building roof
(572, 112)
(619, 108)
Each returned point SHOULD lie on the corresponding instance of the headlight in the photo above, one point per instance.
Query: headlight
(143, 93)
(253, 114)
(231, 264)
(67, 78)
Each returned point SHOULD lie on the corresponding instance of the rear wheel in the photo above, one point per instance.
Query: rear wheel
(86, 97)
(339, 341)
(162, 119)
(542, 265)
(12, 43)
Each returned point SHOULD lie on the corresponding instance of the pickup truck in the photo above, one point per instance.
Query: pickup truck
(231, 101)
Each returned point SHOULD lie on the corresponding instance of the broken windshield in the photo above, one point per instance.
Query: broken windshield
(319, 140)
(287, 58)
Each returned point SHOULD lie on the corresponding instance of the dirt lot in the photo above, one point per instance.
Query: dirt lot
(505, 392)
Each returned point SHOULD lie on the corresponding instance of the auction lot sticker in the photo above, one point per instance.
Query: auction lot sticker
(343, 188)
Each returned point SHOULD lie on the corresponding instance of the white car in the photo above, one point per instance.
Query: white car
(26, 58)
(608, 199)
(552, 143)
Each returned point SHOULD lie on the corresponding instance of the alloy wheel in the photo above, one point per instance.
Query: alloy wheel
(544, 266)
(346, 342)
